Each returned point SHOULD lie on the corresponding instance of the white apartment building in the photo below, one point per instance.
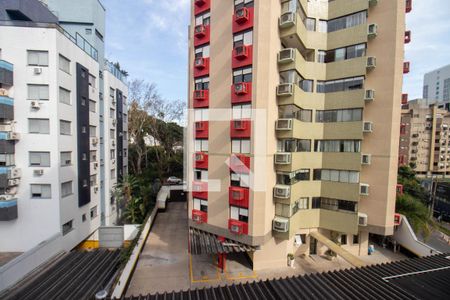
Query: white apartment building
(436, 87)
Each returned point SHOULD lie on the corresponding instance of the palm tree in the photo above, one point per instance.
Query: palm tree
(135, 211)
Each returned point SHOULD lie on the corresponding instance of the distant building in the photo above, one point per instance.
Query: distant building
(436, 87)
(441, 198)
(424, 139)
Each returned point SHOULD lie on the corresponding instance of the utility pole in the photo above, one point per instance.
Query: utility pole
(432, 195)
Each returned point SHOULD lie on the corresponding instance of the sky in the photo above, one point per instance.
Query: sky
(149, 39)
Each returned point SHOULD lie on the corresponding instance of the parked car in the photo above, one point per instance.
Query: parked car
(174, 180)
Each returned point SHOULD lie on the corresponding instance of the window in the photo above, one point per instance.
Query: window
(93, 180)
(310, 24)
(303, 203)
(111, 95)
(64, 96)
(92, 131)
(88, 31)
(243, 38)
(201, 145)
(294, 112)
(65, 127)
(39, 159)
(321, 56)
(201, 114)
(42, 191)
(113, 173)
(287, 210)
(347, 21)
(446, 96)
(340, 85)
(112, 113)
(343, 239)
(425, 92)
(293, 177)
(243, 3)
(92, 80)
(66, 158)
(336, 175)
(39, 126)
(202, 19)
(112, 134)
(200, 204)
(38, 92)
(294, 77)
(241, 180)
(202, 83)
(66, 189)
(294, 145)
(355, 239)
(7, 160)
(323, 26)
(93, 155)
(339, 115)
(112, 153)
(93, 212)
(83, 218)
(37, 58)
(64, 64)
(238, 213)
(242, 75)
(337, 146)
(240, 146)
(67, 227)
(92, 105)
(242, 112)
(200, 175)
(343, 53)
(202, 51)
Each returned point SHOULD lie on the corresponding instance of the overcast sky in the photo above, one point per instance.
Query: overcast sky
(149, 38)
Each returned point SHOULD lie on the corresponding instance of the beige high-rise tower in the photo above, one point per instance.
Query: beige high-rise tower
(294, 124)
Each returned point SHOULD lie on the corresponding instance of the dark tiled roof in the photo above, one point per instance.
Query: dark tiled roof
(202, 242)
(78, 275)
(397, 280)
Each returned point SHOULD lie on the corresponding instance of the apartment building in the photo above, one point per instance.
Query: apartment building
(436, 87)
(53, 121)
(424, 139)
(293, 128)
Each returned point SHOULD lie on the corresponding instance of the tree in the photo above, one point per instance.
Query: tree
(416, 212)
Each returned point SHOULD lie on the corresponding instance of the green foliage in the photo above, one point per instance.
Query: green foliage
(416, 212)
(135, 211)
(411, 185)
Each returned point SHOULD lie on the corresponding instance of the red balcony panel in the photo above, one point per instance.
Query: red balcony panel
(242, 56)
(240, 163)
(201, 66)
(241, 92)
(397, 219)
(408, 6)
(201, 160)
(199, 216)
(404, 98)
(201, 98)
(399, 189)
(237, 227)
(201, 129)
(243, 19)
(238, 196)
(407, 37)
(200, 190)
(201, 6)
(201, 35)
(240, 128)
(406, 66)
(401, 160)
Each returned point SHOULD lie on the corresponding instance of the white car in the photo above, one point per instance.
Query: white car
(174, 180)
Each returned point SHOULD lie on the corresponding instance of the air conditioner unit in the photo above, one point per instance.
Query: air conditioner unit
(362, 219)
(372, 30)
(283, 124)
(286, 56)
(6, 128)
(11, 191)
(197, 218)
(37, 71)
(14, 173)
(240, 88)
(114, 122)
(200, 63)
(283, 158)
(94, 141)
(4, 92)
(240, 124)
(285, 89)
(366, 159)
(280, 224)
(364, 189)
(35, 104)
(373, 2)
(282, 191)
(95, 188)
(367, 127)
(38, 172)
(113, 143)
(369, 95)
(371, 62)
(237, 229)
(6, 197)
(14, 136)
(113, 161)
(287, 20)
(13, 182)
(199, 157)
(95, 165)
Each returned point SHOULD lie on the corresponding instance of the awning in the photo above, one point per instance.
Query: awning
(202, 242)
(347, 256)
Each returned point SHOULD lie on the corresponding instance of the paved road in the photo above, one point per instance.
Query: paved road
(164, 262)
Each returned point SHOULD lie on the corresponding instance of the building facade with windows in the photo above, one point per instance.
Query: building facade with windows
(436, 87)
(293, 125)
(52, 132)
(424, 139)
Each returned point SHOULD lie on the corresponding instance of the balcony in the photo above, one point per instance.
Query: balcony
(242, 56)
(238, 196)
(339, 8)
(289, 162)
(291, 58)
(408, 7)
(237, 227)
(201, 6)
(6, 108)
(201, 160)
(6, 73)
(241, 92)
(201, 129)
(201, 66)
(240, 128)
(349, 68)
(293, 33)
(201, 98)
(243, 19)
(8, 208)
(240, 163)
(200, 190)
(199, 216)
(404, 99)
(201, 35)
(340, 190)
(407, 37)
(340, 221)
(406, 67)
(349, 36)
